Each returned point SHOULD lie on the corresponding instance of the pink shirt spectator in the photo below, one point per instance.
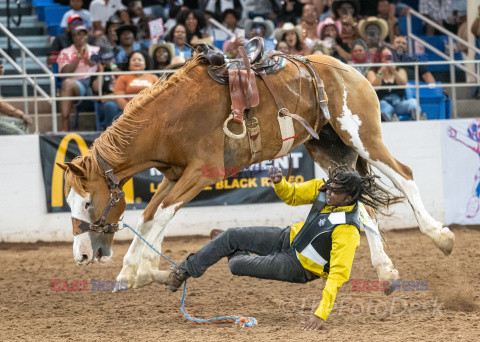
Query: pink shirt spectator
(70, 55)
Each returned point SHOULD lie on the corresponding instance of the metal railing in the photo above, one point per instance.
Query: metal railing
(451, 53)
(22, 70)
(102, 97)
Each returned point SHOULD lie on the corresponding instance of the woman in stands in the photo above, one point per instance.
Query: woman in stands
(195, 25)
(393, 102)
(292, 36)
(130, 84)
(329, 33)
(161, 55)
(178, 36)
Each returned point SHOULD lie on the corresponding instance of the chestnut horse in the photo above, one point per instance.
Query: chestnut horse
(176, 127)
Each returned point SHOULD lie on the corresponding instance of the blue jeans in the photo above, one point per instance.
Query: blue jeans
(107, 112)
(394, 104)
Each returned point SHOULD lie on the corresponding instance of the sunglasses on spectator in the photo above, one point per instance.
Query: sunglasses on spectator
(76, 21)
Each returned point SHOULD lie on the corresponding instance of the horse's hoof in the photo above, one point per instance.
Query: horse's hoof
(446, 241)
(143, 278)
(388, 276)
(126, 276)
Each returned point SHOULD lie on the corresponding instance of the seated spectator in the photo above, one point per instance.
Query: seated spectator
(386, 11)
(178, 36)
(195, 25)
(230, 18)
(341, 8)
(65, 39)
(401, 55)
(393, 102)
(172, 21)
(290, 11)
(101, 10)
(132, 83)
(361, 55)
(440, 11)
(282, 46)
(291, 35)
(76, 8)
(329, 33)
(267, 9)
(106, 61)
(12, 120)
(309, 25)
(76, 59)
(258, 27)
(126, 44)
(109, 39)
(162, 55)
(139, 19)
(219, 7)
(346, 13)
(374, 31)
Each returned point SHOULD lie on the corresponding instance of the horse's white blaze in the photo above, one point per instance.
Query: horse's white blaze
(82, 244)
(77, 205)
(351, 123)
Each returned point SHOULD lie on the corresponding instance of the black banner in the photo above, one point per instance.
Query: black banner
(248, 186)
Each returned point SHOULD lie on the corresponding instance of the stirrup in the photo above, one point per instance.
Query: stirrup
(230, 134)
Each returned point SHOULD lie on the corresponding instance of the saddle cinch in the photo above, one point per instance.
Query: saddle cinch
(240, 74)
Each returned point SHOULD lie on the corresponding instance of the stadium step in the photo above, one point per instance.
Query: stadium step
(27, 21)
(25, 31)
(25, 10)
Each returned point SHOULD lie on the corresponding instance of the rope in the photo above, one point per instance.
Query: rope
(241, 321)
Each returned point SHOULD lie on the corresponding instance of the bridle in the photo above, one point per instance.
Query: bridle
(116, 194)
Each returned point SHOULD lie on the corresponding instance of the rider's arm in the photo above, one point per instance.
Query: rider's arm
(345, 240)
(298, 194)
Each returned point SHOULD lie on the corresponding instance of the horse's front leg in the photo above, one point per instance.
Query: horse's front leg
(132, 259)
(188, 186)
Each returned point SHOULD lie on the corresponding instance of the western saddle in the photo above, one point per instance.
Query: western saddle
(240, 74)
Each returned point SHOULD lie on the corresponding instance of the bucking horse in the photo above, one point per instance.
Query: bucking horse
(191, 120)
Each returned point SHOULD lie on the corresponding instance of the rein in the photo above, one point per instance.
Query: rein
(116, 194)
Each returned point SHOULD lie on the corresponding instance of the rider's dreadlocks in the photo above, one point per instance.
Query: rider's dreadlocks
(360, 188)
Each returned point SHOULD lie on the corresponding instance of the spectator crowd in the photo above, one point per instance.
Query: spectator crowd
(135, 35)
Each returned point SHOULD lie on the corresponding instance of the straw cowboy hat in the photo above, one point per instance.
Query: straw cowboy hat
(328, 22)
(268, 24)
(279, 32)
(362, 27)
(169, 46)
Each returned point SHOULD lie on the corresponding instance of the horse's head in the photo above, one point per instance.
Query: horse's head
(95, 208)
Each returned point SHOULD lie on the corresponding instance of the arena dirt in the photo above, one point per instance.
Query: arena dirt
(448, 310)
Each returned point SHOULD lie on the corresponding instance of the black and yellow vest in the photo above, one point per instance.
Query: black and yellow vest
(314, 240)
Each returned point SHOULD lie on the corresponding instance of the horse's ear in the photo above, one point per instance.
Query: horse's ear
(62, 166)
(76, 170)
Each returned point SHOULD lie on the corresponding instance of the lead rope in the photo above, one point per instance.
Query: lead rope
(241, 321)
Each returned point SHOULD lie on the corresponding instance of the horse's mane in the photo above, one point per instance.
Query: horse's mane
(115, 141)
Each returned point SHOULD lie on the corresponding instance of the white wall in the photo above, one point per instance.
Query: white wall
(24, 218)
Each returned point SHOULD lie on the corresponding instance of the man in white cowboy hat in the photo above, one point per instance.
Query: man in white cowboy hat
(258, 27)
(374, 31)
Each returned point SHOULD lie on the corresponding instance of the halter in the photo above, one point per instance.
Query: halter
(116, 194)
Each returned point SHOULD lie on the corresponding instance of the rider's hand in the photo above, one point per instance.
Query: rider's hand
(275, 175)
(315, 323)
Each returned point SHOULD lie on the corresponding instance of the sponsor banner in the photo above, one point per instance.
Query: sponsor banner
(247, 186)
(461, 167)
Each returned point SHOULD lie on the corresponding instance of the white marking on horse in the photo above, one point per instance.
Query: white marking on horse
(82, 244)
(351, 123)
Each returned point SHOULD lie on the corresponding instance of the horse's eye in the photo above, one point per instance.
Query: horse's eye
(88, 204)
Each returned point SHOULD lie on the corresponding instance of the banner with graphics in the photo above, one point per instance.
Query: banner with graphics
(250, 185)
(461, 165)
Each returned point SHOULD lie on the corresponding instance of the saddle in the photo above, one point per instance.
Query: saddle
(240, 74)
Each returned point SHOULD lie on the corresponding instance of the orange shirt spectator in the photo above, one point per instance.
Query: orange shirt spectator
(134, 83)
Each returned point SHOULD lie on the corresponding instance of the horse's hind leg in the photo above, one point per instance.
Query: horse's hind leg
(330, 150)
(363, 133)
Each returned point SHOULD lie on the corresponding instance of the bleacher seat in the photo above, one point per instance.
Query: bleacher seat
(441, 43)
(432, 100)
(417, 26)
(53, 17)
(43, 7)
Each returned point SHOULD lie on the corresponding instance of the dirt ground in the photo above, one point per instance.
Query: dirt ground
(448, 310)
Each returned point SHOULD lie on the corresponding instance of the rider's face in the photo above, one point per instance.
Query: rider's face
(337, 198)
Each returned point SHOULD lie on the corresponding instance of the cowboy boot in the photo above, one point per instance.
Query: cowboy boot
(173, 278)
